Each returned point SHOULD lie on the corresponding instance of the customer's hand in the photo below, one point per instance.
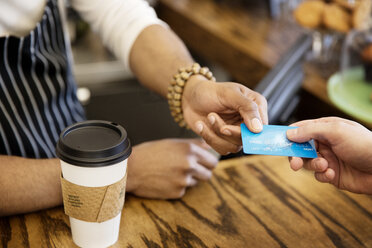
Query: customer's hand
(345, 152)
(164, 169)
(216, 110)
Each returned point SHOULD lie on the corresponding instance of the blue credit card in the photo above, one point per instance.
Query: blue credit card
(273, 141)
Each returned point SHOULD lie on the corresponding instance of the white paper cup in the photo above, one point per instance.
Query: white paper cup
(94, 154)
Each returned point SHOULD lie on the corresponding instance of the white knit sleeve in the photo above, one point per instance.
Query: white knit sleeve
(118, 22)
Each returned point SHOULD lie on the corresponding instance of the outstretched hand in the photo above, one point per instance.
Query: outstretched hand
(216, 110)
(344, 152)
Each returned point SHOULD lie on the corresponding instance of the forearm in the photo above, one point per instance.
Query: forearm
(156, 56)
(28, 185)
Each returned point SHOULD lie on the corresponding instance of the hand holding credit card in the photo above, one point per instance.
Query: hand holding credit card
(273, 141)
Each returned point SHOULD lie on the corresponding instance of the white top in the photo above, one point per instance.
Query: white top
(118, 22)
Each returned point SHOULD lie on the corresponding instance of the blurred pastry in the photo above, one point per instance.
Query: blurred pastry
(336, 18)
(367, 62)
(309, 13)
(362, 14)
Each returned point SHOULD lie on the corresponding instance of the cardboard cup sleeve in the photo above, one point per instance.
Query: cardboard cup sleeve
(93, 204)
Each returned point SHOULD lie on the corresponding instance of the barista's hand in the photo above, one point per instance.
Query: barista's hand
(344, 150)
(164, 169)
(216, 110)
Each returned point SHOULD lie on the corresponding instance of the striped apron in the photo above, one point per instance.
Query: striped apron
(37, 89)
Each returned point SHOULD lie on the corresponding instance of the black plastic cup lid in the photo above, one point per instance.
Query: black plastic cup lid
(93, 144)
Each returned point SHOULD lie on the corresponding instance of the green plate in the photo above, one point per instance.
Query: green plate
(351, 93)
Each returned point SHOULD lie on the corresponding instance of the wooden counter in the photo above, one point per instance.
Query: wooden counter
(254, 201)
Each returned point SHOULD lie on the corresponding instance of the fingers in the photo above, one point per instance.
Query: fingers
(262, 108)
(319, 164)
(199, 172)
(325, 177)
(323, 129)
(220, 145)
(245, 101)
(316, 165)
(204, 157)
(316, 130)
(251, 117)
(226, 132)
(201, 166)
(325, 120)
(320, 167)
(332, 161)
(296, 163)
(234, 130)
(323, 169)
(216, 122)
(190, 181)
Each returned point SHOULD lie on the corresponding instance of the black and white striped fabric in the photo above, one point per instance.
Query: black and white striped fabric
(37, 89)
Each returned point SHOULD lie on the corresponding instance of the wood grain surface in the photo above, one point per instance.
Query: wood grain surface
(254, 201)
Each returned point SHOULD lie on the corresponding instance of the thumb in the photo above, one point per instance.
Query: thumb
(249, 105)
(318, 131)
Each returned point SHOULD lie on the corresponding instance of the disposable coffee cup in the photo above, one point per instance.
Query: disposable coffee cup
(93, 156)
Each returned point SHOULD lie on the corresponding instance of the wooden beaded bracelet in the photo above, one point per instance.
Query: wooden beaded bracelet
(175, 89)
